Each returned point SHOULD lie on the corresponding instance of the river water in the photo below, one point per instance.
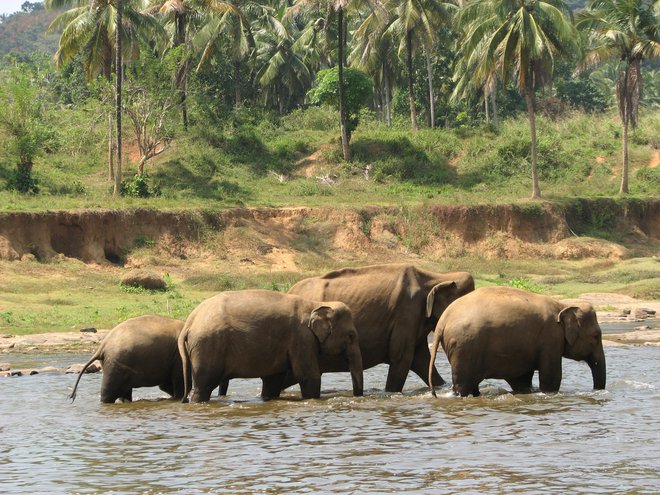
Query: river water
(576, 441)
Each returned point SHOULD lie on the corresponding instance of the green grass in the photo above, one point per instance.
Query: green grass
(68, 295)
(230, 166)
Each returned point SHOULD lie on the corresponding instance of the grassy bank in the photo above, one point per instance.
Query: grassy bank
(66, 295)
(296, 161)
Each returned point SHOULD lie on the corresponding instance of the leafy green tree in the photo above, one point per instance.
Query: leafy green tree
(357, 91)
(519, 39)
(627, 30)
(23, 118)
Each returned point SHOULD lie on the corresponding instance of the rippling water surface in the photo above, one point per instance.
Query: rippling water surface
(577, 441)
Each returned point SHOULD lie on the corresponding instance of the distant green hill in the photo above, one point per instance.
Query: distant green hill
(23, 33)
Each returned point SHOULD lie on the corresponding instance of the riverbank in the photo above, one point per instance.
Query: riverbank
(639, 317)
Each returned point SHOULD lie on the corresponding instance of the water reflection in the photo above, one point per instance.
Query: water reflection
(575, 441)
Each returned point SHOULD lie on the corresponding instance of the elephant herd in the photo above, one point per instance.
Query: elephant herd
(350, 320)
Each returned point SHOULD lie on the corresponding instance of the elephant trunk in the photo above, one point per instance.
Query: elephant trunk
(355, 366)
(598, 369)
(434, 350)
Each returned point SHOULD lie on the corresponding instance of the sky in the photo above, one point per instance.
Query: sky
(11, 6)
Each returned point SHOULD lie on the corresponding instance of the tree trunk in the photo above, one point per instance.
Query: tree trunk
(429, 71)
(486, 104)
(388, 96)
(111, 149)
(411, 94)
(237, 83)
(624, 170)
(529, 97)
(182, 71)
(118, 83)
(493, 99)
(342, 110)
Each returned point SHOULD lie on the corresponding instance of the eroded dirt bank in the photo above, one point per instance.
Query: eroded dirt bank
(529, 230)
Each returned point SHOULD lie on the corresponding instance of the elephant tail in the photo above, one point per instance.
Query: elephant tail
(97, 355)
(185, 363)
(434, 350)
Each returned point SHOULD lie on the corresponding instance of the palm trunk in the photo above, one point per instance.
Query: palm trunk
(342, 110)
(388, 96)
(429, 71)
(111, 149)
(118, 71)
(182, 71)
(624, 171)
(486, 105)
(529, 97)
(411, 94)
(493, 99)
(237, 84)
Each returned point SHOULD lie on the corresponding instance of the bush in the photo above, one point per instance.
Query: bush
(138, 187)
(21, 180)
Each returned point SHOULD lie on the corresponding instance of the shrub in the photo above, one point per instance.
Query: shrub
(138, 187)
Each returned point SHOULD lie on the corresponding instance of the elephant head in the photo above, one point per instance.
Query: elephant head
(335, 331)
(583, 340)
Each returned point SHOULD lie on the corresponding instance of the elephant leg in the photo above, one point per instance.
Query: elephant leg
(400, 359)
(521, 384)
(272, 386)
(127, 396)
(224, 387)
(550, 374)
(420, 365)
(464, 383)
(201, 394)
(310, 387)
(114, 385)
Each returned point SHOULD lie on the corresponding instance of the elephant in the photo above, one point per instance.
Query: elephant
(139, 352)
(508, 333)
(395, 307)
(264, 334)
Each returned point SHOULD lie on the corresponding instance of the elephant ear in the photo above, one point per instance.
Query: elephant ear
(320, 322)
(440, 288)
(569, 319)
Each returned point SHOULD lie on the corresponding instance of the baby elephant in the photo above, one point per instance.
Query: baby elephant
(140, 352)
(263, 334)
(507, 333)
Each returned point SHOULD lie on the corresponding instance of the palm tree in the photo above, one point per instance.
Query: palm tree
(628, 30)
(178, 13)
(230, 22)
(334, 11)
(281, 69)
(519, 39)
(416, 25)
(89, 29)
(374, 52)
(118, 81)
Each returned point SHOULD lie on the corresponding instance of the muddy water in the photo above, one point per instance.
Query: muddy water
(577, 441)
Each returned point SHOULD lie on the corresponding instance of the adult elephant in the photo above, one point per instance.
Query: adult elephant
(507, 333)
(263, 334)
(140, 352)
(395, 307)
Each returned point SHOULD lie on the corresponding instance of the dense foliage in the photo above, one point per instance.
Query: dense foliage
(221, 93)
